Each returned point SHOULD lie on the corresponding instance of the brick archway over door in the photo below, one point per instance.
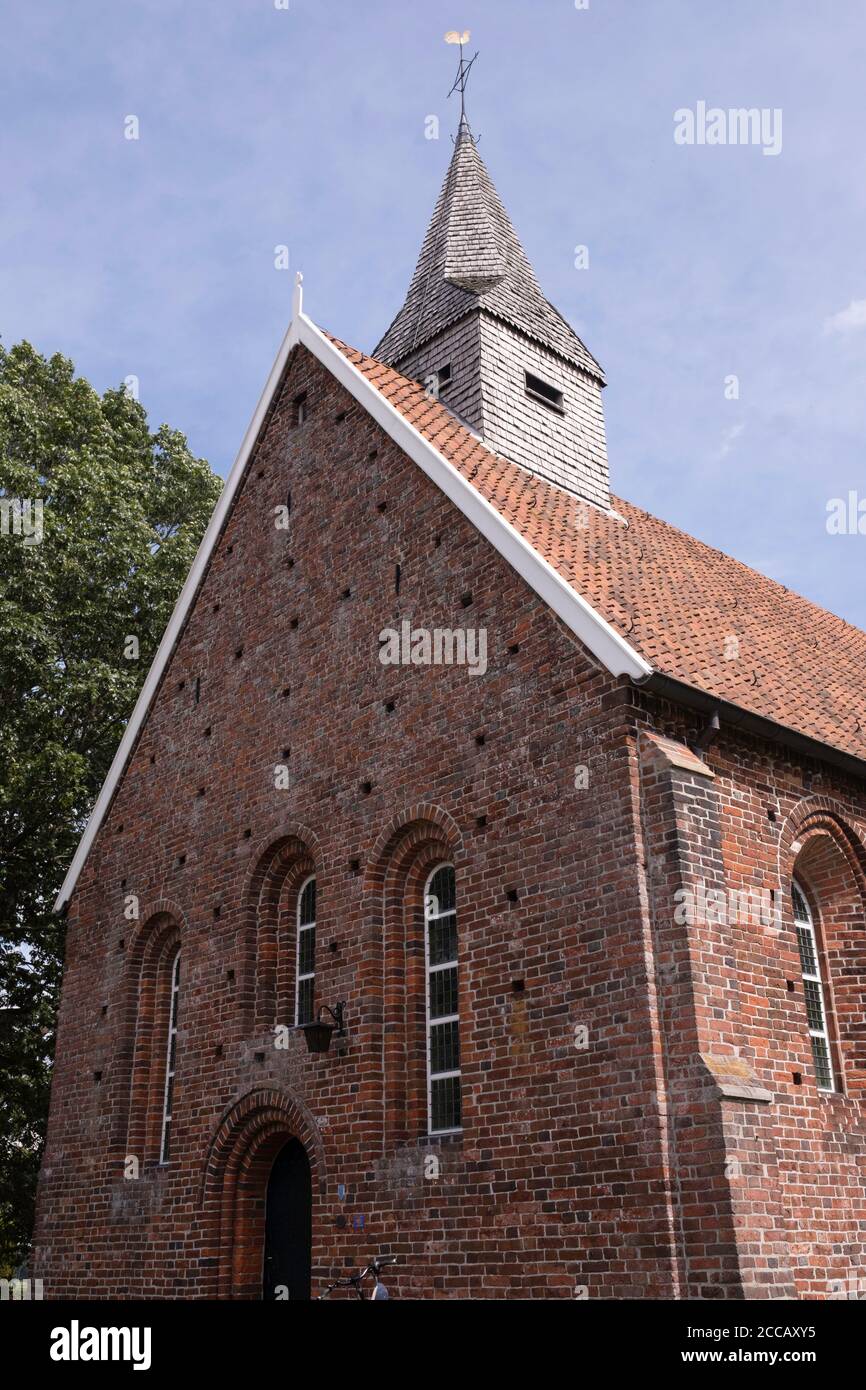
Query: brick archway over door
(235, 1184)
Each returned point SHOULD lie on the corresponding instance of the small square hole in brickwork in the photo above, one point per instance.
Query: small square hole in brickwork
(286, 692)
(217, 911)
(514, 649)
(340, 417)
(390, 706)
(181, 859)
(466, 600)
(216, 607)
(437, 541)
(290, 563)
(347, 593)
(121, 945)
(207, 732)
(797, 1078)
(229, 549)
(518, 986)
(512, 895)
(480, 740)
(239, 651)
(366, 788)
(354, 866)
(152, 759)
(293, 624)
(181, 685)
(373, 454)
(791, 986)
(104, 1010)
(481, 822)
(247, 834)
(259, 1056)
(382, 507)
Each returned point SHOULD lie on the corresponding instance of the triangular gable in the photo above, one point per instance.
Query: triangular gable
(606, 644)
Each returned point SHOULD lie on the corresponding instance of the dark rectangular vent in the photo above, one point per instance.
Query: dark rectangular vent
(542, 391)
(444, 375)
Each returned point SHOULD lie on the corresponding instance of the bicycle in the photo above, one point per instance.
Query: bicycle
(356, 1281)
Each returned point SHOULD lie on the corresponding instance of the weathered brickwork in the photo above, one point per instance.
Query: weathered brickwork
(672, 1155)
(555, 1182)
(772, 1170)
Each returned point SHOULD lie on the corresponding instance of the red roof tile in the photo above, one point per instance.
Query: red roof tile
(677, 601)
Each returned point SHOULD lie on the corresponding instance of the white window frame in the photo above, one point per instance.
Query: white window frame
(170, 1071)
(807, 923)
(307, 926)
(450, 1018)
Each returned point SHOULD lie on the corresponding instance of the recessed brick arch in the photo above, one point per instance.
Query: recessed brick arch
(235, 1180)
(393, 910)
(146, 1004)
(280, 863)
(826, 854)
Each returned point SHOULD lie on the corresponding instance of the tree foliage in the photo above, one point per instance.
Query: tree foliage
(123, 511)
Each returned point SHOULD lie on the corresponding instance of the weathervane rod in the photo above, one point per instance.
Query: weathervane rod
(454, 36)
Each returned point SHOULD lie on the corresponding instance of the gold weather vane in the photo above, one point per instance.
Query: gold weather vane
(456, 36)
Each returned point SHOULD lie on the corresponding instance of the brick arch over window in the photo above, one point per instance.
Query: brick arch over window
(415, 843)
(147, 1007)
(280, 866)
(826, 855)
(234, 1186)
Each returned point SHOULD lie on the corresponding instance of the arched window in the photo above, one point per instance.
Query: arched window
(305, 957)
(813, 990)
(170, 1062)
(444, 1112)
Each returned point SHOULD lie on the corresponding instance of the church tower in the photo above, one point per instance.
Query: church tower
(477, 331)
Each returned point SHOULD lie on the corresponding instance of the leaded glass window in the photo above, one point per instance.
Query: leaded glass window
(305, 960)
(813, 990)
(170, 1062)
(444, 1109)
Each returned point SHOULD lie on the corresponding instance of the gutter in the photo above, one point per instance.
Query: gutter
(736, 717)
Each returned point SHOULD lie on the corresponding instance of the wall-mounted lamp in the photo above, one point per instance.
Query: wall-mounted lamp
(318, 1033)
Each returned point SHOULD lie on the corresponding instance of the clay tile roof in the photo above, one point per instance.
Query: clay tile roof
(694, 613)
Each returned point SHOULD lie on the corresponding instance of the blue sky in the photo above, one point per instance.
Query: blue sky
(306, 127)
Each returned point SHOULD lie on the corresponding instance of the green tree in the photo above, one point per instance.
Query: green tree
(123, 511)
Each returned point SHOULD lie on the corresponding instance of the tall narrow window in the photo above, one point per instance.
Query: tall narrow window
(444, 1113)
(170, 1062)
(813, 990)
(305, 960)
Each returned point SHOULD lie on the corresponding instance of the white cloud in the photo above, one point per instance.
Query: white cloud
(847, 320)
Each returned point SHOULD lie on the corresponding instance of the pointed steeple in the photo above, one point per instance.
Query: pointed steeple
(472, 259)
(477, 330)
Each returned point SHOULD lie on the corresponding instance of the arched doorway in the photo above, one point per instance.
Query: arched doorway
(288, 1225)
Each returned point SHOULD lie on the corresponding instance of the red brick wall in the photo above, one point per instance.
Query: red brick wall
(556, 1181)
(578, 1168)
(787, 1183)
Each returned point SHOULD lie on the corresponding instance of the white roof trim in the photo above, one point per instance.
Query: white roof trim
(602, 640)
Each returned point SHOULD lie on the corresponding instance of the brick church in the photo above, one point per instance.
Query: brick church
(481, 877)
